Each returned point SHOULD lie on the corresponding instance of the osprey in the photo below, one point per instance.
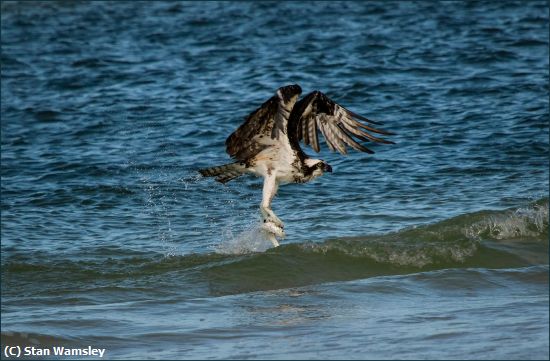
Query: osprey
(267, 144)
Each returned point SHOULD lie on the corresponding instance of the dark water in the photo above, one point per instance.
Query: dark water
(436, 247)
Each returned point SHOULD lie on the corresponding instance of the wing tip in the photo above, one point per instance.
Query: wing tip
(365, 119)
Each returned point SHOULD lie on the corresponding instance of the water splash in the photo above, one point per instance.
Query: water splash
(252, 239)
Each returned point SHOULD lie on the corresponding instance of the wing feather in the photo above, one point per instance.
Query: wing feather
(337, 138)
(266, 127)
(328, 137)
(305, 131)
(243, 142)
(312, 133)
(352, 143)
(338, 125)
(355, 128)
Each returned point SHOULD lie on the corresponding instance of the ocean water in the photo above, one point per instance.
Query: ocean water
(433, 248)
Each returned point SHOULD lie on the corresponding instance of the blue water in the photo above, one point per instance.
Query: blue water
(435, 247)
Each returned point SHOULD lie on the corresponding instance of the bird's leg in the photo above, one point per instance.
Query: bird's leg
(269, 191)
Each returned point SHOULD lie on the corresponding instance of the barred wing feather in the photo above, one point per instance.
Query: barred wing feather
(339, 126)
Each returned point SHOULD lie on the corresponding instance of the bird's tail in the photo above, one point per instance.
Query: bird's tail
(224, 173)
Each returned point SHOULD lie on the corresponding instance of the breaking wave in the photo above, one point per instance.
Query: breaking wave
(488, 239)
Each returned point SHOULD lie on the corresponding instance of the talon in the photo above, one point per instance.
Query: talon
(271, 223)
(269, 216)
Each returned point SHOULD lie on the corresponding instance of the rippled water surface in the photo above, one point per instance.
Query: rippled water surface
(435, 247)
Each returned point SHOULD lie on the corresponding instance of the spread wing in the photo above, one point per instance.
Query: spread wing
(339, 126)
(259, 130)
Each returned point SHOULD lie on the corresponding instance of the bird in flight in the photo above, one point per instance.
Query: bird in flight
(267, 144)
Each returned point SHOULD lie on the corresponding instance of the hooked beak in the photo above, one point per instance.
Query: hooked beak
(327, 168)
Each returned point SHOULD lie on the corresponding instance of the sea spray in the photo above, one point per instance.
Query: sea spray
(252, 239)
(527, 223)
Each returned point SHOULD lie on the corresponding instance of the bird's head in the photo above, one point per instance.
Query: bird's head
(317, 167)
(289, 92)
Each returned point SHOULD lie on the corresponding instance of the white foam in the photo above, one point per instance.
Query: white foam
(529, 222)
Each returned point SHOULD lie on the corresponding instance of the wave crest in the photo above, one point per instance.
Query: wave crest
(397, 253)
(529, 223)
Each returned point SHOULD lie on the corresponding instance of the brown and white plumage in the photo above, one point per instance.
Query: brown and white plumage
(267, 144)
